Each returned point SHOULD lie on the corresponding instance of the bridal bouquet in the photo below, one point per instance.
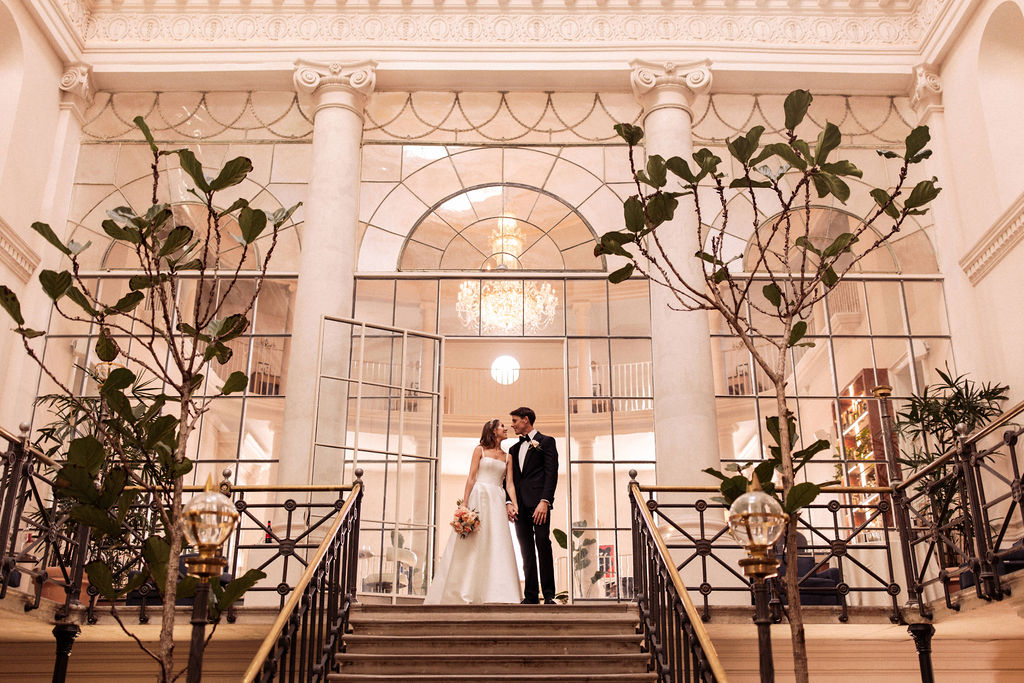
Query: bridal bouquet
(466, 521)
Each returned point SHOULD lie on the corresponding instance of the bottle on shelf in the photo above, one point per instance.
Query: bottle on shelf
(267, 537)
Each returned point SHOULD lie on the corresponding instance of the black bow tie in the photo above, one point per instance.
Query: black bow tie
(523, 438)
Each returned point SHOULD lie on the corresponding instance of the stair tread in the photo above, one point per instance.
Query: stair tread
(348, 656)
(505, 637)
(522, 677)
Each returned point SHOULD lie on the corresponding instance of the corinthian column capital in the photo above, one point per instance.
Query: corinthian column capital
(926, 92)
(77, 87)
(336, 84)
(660, 85)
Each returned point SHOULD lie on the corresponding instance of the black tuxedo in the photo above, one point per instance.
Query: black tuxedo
(536, 481)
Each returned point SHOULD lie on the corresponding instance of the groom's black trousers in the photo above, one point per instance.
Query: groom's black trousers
(536, 536)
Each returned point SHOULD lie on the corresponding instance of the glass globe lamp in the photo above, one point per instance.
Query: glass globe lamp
(757, 521)
(207, 522)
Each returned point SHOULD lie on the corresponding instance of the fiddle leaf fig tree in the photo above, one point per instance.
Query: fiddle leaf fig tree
(173, 329)
(795, 268)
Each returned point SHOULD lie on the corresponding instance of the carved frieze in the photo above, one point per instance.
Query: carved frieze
(833, 31)
(997, 243)
(16, 254)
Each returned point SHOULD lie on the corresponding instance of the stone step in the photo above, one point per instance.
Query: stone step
(495, 678)
(472, 626)
(473, 663)
(584, 610)
(516, 644)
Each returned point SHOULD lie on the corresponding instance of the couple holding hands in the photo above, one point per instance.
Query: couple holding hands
(519, 486)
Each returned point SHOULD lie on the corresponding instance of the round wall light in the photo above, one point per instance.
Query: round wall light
(505, 370)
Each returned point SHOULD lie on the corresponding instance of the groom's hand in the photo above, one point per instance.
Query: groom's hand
(540, 513)
(511, 511)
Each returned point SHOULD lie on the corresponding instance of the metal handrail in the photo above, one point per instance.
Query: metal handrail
(715, 489)
(29, 448)
(971, 439)
(717, 670)
(298, 592)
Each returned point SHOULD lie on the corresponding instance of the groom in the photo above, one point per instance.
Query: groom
(535, 475)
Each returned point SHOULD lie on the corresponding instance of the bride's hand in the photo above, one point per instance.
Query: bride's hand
(512, 511)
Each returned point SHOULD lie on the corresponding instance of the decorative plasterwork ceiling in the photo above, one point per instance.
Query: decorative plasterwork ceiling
(788, 34)
(800, 24)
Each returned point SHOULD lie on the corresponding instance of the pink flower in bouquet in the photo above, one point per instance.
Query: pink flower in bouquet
(465, 521)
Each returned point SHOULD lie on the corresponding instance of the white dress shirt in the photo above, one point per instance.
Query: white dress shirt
(525, 447)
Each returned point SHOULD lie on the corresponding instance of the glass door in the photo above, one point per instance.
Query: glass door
(378, 408)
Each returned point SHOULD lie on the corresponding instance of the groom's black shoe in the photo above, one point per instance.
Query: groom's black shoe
(549, 601)
(527, 601)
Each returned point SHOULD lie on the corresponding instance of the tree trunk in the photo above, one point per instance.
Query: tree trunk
(174, 534)
(796, 617)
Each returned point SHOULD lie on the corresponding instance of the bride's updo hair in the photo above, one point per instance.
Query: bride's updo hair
(488, 439)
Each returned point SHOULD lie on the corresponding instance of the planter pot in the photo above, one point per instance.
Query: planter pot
(53, 588)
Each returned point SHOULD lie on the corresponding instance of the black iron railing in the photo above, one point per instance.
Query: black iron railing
(673, 631)
(963, 516)
(307, 634)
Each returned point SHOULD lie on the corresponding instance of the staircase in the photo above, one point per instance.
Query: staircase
(500, 643)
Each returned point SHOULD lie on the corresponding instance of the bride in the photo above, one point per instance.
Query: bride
(482, 567)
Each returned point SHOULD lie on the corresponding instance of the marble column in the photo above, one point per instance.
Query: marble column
(964, 320)
(335, 94)
(685, 433)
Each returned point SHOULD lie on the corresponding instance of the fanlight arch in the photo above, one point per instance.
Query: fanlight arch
(501, 226)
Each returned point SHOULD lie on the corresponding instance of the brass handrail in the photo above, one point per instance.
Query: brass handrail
(29, 448)
(973, 438)
(297, 592)
(715, 489)
(691, 612)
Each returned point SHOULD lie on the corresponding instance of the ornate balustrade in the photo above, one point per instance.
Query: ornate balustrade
(44, 552)
(964, 517)
(674, 633)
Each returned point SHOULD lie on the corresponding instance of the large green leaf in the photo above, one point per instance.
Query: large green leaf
(802, 457)
(236, 589)
(743, 146)
(98, 520)
(560, 538)
(630, 133)
(783, 150)
(86, 452)
(252, 222)
(734, 487)
(795, 106)
(773, 294)
(840, 245)
(797, 333)
(113, 486)
(842, 167)
(923, 193)
(50, 236)
(191, 165)
(916, 141)
(176, 239)
(54, 283)
(680, 168)
(186, 587)
(633, 212)
(9, 300)
(237, 381)
(230, 327)
(661, 207)
(233, 173)
(106, 348)
(102, 578)
(800, 496)
(885, 200)
(128, 302)
(281, 215)
(156, 552)
(828, 140)
(141, 124)
(656, 172)
(79, 298)
(622, 274)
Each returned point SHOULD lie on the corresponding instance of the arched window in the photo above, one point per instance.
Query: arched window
(501, 227)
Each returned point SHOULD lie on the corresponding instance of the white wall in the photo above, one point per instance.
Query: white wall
(983, 96)
(29, 122)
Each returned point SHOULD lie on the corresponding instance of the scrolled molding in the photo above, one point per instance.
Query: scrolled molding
(926, 92)
(996, 244)
(77, 86)
(668, 84)
(335, 84)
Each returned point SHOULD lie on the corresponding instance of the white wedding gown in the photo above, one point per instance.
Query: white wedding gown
(481, 567)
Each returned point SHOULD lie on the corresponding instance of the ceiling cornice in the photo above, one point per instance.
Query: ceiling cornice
(852, 45)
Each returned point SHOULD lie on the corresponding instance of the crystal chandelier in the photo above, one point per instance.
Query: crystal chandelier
(502, 307)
